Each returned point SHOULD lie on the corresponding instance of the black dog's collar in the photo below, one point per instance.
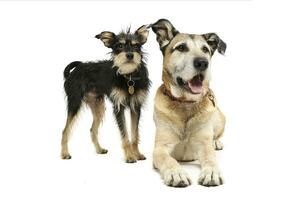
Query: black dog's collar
(131, 82)
(131, 77)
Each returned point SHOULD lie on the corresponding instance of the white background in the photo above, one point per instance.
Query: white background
(257, 85)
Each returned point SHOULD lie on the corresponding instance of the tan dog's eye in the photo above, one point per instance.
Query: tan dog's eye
(182, 48)
(205, 49)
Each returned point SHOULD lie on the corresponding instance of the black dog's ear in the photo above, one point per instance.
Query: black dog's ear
(142, 34)
(165, 31)
(108, 38)
(215, 43)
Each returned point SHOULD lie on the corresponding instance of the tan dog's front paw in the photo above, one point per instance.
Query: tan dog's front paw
(176, 178)
(210, 177)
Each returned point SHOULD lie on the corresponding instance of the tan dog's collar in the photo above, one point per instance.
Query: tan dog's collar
(181, 100)
(209, 95)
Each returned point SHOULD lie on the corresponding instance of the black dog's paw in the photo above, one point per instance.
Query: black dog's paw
(65, 156)
(102, 151)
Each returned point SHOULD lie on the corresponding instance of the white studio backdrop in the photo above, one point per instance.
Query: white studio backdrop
(257, 85)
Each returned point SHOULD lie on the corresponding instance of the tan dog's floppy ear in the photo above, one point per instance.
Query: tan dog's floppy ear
(165, 31)
(215, 43)
(108, 38)
(142, 34)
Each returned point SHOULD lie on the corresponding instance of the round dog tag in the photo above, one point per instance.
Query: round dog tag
(131, 88)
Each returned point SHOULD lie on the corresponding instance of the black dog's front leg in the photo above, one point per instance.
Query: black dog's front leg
(126, 145)
(135, 117)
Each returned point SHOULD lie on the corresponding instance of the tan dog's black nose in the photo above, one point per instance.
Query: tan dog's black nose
(200, 64)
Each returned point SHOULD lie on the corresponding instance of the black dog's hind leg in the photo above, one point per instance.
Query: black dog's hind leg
(126, 145)
(135, 117)
(98, 109)
(73, 108)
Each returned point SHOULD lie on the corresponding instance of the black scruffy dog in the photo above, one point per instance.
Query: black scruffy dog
(123, 79)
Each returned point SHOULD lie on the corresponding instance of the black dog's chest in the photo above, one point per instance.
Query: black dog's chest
(128, 90)
(121, 96)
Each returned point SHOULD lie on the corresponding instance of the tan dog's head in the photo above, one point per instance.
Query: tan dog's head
(126, 48)
(187, 58)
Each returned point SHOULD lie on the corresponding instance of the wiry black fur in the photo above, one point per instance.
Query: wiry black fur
(91, 82)
(100, 78)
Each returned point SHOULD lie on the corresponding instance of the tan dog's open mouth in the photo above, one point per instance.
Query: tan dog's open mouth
(194, 85)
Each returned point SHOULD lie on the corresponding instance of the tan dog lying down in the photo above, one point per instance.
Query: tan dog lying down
(188, 121)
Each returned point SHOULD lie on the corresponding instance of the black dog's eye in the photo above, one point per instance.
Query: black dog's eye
(120, 46)
(182, 48)
(136, 46)
(205, 49)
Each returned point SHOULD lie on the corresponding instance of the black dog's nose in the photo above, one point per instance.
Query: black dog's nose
(129, 56)
(200, 64)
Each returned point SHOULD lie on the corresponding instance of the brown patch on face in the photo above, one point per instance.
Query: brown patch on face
(202, 38)
(169, 49)
(167, 67)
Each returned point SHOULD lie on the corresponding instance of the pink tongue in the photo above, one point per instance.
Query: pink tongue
(195, 87)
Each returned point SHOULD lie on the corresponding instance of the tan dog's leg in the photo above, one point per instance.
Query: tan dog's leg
(210, 173)
(65, 136)
(98, 108)
(169, 168)
(218, 131)
(135, 115)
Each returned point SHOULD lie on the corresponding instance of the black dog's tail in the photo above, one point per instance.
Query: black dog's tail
(70, 67)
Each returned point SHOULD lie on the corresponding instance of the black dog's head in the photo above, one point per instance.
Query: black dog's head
(126, 48)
